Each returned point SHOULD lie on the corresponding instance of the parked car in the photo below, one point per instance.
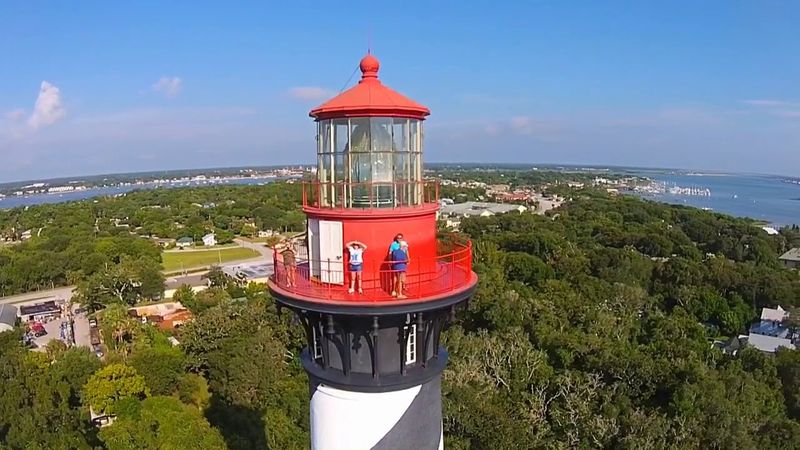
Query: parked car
(79, 311)
(93, 322)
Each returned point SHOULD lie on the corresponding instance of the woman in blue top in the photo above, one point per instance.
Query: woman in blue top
(399, 255)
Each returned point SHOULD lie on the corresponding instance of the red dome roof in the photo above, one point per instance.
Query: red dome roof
(370, 98)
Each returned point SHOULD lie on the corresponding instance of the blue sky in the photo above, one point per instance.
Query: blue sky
(98, 87)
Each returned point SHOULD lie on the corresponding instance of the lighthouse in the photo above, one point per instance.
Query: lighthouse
(373, 318)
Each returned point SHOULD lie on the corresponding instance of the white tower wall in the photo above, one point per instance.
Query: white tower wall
(347, 420)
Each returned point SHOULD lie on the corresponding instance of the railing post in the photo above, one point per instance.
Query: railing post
(421, 278)
(452, 278)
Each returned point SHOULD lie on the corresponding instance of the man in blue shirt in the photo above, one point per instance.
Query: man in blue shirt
(400, 259)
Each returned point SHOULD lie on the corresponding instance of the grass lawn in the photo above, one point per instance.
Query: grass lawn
(186, 259)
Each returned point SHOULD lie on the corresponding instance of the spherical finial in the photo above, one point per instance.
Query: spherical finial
(369, 66)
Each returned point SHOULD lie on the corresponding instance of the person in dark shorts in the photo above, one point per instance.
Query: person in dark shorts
(356, 250)
(399, 266)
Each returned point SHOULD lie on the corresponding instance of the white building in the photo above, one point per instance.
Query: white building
(8, 317)
(184, 242)
(210, 240)
(774, 315)
(479, 209)
(769, 333)
(768, 344)
(770, 231)
(57, 189)
(452, 213)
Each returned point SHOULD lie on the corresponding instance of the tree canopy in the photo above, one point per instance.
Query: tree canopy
(592, 327)
(111, 384)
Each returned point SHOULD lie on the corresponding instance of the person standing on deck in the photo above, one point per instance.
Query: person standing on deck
(356, 250)
(395, 245)
(288, 256)
(400, 259)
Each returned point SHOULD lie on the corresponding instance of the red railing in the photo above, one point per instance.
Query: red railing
(372, 195)
(330, 280)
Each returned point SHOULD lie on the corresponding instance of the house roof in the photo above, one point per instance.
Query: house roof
(209, 235)
(768, 343)
(769, 328)
(185, 240)
(775, 315)
(158, 309)
(40, 308)
(734, 343)
(368, 98)
(8, 314)
(791, 255)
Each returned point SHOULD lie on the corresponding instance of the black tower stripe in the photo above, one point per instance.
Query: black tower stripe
(420, 427)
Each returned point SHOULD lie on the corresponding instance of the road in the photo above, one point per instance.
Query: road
(62, 292)
(266, 252)
(172, 282)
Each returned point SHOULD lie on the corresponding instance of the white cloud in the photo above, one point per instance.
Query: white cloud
(523, 124)
(779, 108)
(310, 93)
(771, 103)
(15, 115)
(169, 86)
(788, 113)
(48, 109)
(690, 115)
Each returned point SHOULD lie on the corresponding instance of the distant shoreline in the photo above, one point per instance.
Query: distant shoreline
(221, 171)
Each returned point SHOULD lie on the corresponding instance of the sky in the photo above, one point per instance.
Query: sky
(97, 87)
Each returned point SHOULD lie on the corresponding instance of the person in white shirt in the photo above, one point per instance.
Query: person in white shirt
(356, 250)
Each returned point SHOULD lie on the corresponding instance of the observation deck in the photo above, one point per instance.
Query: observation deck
(447, 276)
(370, 197)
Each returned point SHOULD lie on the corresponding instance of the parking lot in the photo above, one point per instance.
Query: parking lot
(53, 328)
(81, 327)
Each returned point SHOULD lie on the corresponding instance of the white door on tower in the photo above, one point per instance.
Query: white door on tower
(331, 252)
(313, 248)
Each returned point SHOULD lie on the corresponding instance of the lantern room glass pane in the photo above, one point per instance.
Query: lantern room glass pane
(414, 130)
(400, 135)
(324, 136)
(341, 133)
(369, 162)
(359, 136)
(381, 134)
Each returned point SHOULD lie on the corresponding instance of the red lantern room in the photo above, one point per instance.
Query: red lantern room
(370, 188)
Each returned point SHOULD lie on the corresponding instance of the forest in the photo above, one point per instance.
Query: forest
(591, 328)
(73, 241)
